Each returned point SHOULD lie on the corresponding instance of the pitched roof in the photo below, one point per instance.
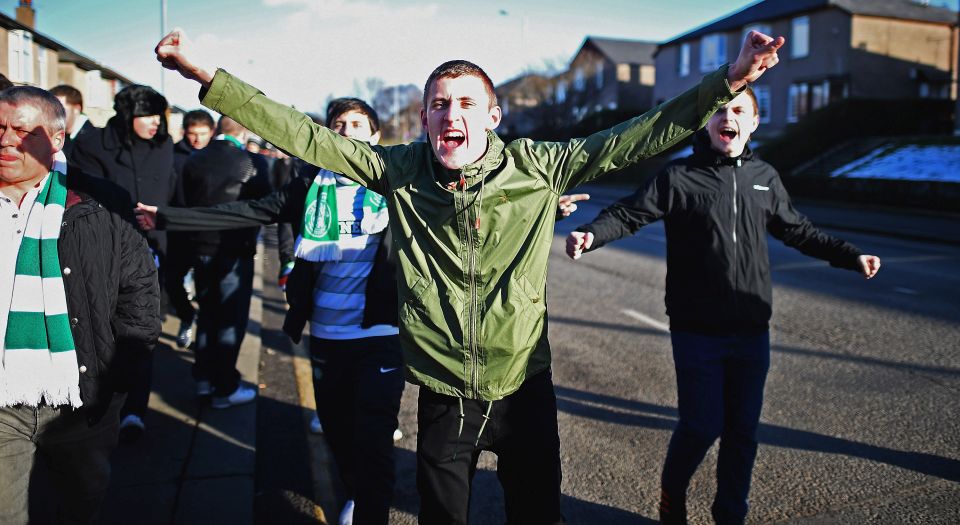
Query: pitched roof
(64, 53)
(622, 51)
(773, 9)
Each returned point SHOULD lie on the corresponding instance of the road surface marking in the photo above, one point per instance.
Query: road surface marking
(906, 291)
(648, 320)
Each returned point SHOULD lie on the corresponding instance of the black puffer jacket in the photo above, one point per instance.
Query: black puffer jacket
(145, 170)
(219, 173)
(111, 286)
(717, 212)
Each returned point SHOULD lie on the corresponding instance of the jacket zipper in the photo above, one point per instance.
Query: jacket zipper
(472, 311)
(736, 270)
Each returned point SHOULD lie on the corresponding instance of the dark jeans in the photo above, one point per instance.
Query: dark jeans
(357, 384)
(521, 431)
(224, 285)
(75, 454)
(720, 382)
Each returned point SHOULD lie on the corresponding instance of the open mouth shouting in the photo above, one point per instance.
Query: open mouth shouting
(453, 138)
(727, 134)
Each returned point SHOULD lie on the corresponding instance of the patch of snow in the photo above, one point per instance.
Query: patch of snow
(939, 163)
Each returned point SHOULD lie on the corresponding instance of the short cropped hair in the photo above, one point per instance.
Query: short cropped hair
(51, 110)
(197, 117)
(71, 94)
(456, 69)
(339, 106)
(228, 126)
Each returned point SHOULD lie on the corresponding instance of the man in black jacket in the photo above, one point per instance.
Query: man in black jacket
(66, 344)
(77, 121)
(718, 206)
(198, 128)
(223, 261)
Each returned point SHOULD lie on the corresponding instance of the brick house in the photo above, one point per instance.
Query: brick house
(876, 49)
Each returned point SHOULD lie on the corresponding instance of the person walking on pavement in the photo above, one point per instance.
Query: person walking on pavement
(718, 205)
(79, 304)
(223, 263)
(472, 223)
(77, 121)
(198, 127)
(135, 152)
(343, 285)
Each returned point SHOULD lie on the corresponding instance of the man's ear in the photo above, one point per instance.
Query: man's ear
(756, 123)
(57, 141)
(496, 115)
(423, 121)
(374, 139)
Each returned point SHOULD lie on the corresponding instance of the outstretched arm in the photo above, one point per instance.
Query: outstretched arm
(285, 127)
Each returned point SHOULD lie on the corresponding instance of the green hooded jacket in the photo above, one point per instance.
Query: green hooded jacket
(473, 260)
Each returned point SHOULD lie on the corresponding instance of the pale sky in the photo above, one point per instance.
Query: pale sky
(300, 51)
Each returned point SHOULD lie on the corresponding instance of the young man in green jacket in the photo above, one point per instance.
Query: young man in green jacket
(472, 222)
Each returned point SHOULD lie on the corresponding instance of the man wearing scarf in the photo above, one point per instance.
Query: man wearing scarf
(79, 301)
(343, 284)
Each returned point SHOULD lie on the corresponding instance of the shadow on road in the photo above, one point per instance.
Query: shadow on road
(610, 409)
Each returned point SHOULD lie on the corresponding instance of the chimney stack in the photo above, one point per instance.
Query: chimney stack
(25, 13)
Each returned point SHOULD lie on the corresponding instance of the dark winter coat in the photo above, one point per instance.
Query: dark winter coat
(717, 212)
(219, 173)
(111, 288)
(144, 169)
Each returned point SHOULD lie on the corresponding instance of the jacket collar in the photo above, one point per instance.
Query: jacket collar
(490, 160)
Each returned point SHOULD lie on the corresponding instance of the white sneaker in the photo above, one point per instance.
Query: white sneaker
(204, 388)
(315, 426)
(397, 435)
(239, 396)
(346, 515)
(185, 335)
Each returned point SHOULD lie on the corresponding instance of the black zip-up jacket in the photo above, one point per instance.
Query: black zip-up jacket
(717, 212)
(219, 173)
(286, 205)
(110, 280)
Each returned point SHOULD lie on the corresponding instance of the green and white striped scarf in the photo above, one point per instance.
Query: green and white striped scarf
(320, 229)
(39, 358)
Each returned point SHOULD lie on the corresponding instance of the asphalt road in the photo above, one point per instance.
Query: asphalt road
(861, 422)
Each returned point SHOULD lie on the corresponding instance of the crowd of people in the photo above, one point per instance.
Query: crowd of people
(423, 263)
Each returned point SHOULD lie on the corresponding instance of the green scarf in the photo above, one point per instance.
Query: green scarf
(39, 358)
(320, 229)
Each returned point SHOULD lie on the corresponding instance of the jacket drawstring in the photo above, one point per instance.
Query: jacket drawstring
(462, 417)
(486, 417)
(460, 429)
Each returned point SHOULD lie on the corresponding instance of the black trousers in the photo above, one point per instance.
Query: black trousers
(357, 384)
(521, 430)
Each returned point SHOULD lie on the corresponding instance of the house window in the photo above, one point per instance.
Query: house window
(797, 101)
(763, 102)
(578, 80)
(20, 56)
(561, 95)
(599, 78)
(713, 52)
(623, 72)
(819, 95)
(683, 65)
(800, 41)
(648, 75)
(761, 28)
(42, 67)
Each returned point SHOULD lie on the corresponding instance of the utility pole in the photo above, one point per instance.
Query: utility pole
(163, 32)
